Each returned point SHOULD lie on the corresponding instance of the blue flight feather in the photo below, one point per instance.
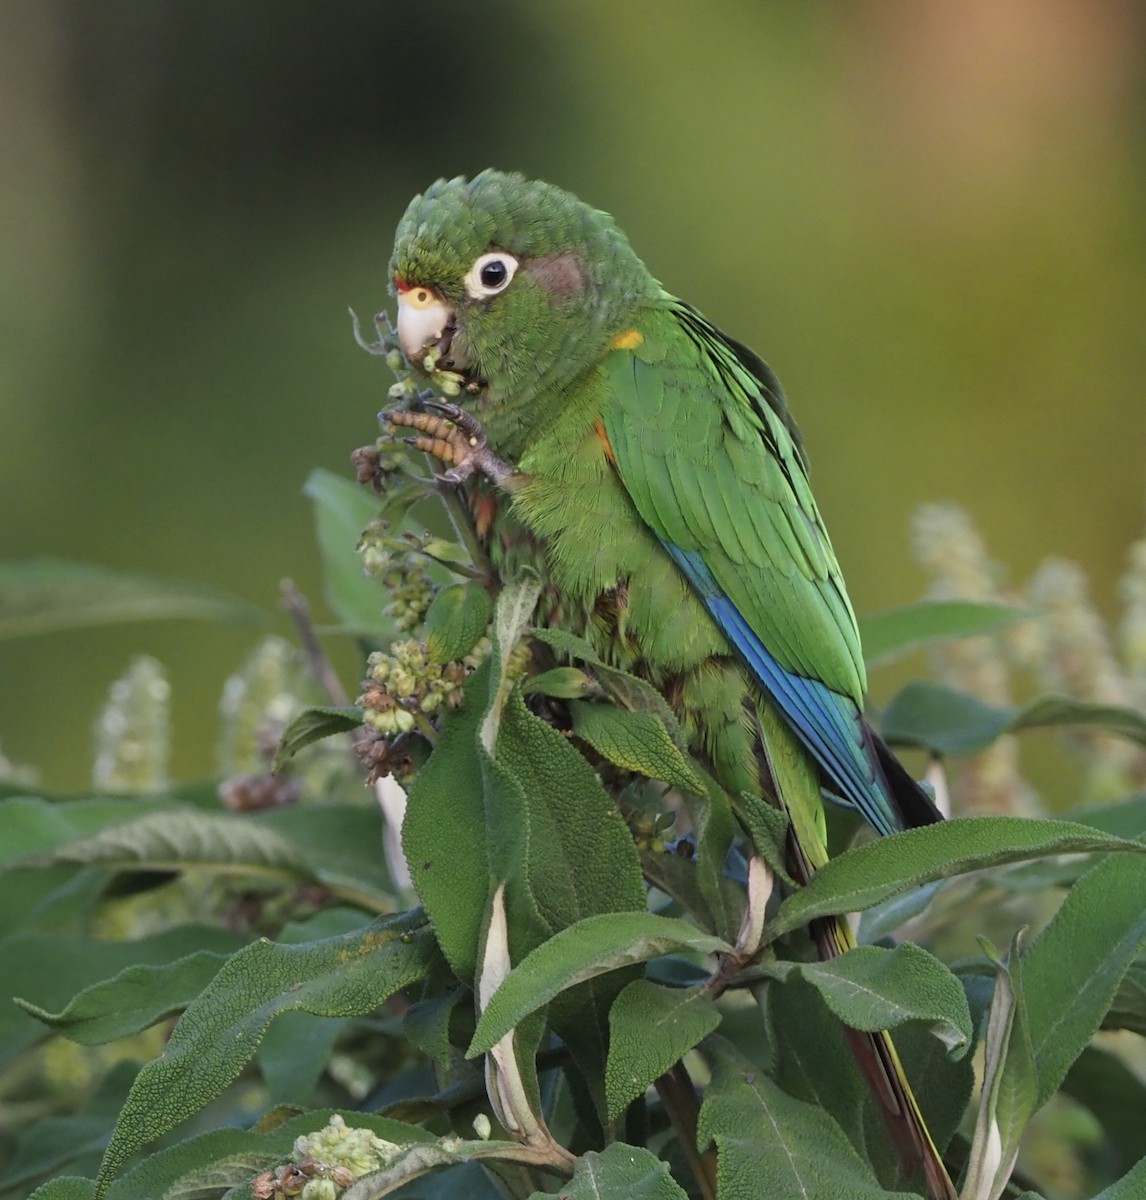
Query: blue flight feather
(827, 723)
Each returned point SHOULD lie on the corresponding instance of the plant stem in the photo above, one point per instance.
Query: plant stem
(680, 1102)
(320, 666)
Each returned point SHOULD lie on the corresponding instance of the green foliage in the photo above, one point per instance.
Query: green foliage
(608, 988)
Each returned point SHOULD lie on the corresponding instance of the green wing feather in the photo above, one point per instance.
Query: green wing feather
(712, 461)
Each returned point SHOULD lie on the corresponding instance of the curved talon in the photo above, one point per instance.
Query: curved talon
(455, 437)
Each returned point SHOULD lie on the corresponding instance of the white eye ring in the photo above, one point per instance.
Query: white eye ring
(490, 274)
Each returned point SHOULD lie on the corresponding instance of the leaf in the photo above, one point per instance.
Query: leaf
(1073, 968)
(348, 975)
(876, 871)
(52, 1144)
(565, 683)
(312, 725)
(894, 632)
(1132, 1185)
(619, 1172)
(1008, 1095)
(443, 832)
(342, 510)
(456, 620)
(636, 741)
(206, 1164)
(67, 1187)
(1128, 1008)
(46, 595)
(592, 947)
(946, 721)
(770, 1144)
(49, 969)
(134, 1000)
(337, 846)
(651, 1028)
(871, 988)
(1116, 1096)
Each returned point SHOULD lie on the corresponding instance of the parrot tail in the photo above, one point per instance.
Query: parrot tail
(876, 1056)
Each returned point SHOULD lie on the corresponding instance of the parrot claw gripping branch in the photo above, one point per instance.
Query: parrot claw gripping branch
(661, 490)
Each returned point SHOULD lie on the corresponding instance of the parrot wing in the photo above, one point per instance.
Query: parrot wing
(704, 446)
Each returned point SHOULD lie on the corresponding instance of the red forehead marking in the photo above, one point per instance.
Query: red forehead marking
(400, 284)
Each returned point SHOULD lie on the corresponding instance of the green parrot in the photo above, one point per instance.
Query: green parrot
(647, 463)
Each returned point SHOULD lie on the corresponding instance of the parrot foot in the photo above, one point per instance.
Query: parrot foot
(456, 437)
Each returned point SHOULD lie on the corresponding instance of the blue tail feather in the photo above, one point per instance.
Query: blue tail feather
(828, 724)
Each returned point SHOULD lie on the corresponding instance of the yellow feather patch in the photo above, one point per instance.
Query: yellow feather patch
(630, 339)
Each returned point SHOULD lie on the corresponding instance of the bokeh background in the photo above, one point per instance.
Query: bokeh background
(930, 218)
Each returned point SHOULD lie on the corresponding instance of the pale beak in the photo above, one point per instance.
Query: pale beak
(422, 321)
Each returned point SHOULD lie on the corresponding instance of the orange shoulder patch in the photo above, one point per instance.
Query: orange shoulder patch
(629, 339)
(600, 427)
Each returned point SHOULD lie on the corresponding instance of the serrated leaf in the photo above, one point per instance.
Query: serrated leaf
(871, 988)
(1073, 968)
(878, 870)
(636, 741)
(456, 620)
(348, 975)
(650, 1028)
(896, 631)
(342, 510)
(946, 721)
(312, 725)
(593, 946)
(619, 1172)
(45, 595)
(769, 1144)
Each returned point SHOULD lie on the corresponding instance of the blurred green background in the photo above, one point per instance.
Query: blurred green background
(930, 218)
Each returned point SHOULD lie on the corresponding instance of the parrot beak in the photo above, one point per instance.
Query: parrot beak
(423, 320)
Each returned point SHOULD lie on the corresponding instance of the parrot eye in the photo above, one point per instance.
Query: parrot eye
(490, 274)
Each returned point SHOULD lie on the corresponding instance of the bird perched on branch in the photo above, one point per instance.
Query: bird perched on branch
(647, 464)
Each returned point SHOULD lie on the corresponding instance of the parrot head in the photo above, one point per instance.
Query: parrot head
(516, 283)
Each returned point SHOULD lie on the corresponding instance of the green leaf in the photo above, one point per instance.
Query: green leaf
(896, 631)
(946, 721)
(878, 870)
(337, 846)
(46, 595)
(619, 1172)
(348, 975)
(1073, 968)
(47, 970)
(312, 725)
(52, 1144)
(443, 832)
(1132, 1185)
(1116, 1096)
(204, 1165)
(650, 1028)
(1128, 1008)
(592, 947)
(133, 1000)
(770, 1144)
(636, 741)
(67, 1187)
(871, 988)
(342, 510)
(456, 620)
(565, 683)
